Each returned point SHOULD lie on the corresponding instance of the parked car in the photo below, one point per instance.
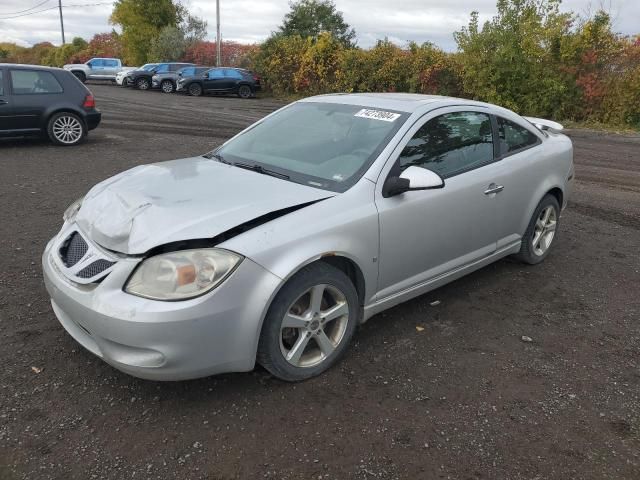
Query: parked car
(276, 245)
(123, 77)
(167, 81)
(142, 79)
(97, 69)
(225, 80)
(37, 100)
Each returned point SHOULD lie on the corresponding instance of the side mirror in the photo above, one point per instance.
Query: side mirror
(412, 178)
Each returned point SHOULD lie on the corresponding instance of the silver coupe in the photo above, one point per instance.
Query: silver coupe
(275, 246)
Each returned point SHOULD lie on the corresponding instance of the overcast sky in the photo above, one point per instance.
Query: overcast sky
(250, 21)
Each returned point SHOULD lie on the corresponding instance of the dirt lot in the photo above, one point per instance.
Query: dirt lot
(464, 398)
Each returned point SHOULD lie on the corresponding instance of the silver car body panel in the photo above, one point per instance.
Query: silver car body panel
(192, 198)
(401, 246)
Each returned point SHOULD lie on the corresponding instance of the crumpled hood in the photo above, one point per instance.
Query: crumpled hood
(193, 198)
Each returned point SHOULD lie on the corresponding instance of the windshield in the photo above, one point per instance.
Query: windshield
(148, 66)
(323, 145)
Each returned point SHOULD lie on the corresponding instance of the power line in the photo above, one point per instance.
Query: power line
(53, 8)
(22, 11)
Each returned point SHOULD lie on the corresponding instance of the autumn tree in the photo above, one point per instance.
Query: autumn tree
(172, 42)
(141, 22)
(310, 18)
(105, 45)
(512, 60)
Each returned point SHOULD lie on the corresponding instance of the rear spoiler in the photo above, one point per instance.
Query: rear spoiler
(542, 124)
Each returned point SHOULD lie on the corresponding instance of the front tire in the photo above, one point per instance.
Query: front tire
(195, 90)
(167, 86)
(541, 231)
(143, 83)
(309, 324)
(66, 128)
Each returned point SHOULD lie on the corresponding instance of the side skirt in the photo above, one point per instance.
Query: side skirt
(436, 282)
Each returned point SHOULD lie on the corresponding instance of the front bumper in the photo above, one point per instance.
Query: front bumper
(215, 333)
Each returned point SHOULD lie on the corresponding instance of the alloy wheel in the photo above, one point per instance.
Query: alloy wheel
(167, 87)
(314, 326)
(67, 130)
(143, 84)
(544, 230)
(195, 90)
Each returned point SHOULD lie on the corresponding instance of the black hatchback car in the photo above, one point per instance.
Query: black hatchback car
(238, 81)
(43, 100)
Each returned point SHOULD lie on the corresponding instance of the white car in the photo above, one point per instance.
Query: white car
(120, 77)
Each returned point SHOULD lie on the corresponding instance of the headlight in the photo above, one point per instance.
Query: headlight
(183, 274)
(72, 210)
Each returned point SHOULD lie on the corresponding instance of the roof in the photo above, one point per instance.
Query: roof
(27, 66)
(403, 102)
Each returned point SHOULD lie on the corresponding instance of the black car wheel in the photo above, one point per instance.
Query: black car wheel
(143, 83)
(542, 230)
(309, 323)
(167, 86)
(80, 76)
(245, 91)
(66, 128)
(195, 90)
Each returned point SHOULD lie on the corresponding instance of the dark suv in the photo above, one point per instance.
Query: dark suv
(39, 100)
(167, 81)
(222, 80)
(142, 79)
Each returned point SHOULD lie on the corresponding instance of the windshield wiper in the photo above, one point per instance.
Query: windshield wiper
(218, 157)
(260, 169)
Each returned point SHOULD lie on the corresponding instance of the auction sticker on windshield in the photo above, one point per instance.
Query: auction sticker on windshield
(377, 115)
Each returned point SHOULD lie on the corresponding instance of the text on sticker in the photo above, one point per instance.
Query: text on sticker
(377, 115)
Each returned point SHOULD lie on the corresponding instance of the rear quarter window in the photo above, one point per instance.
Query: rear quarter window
(514, 137)
(233, 74)
(34, 82)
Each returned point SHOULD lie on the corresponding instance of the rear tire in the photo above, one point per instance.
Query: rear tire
(143, 83)
(167, 86)
(80, 76)
(245, 91)
(309, 324)
(66, 129)
(195, 90)
(541, 232)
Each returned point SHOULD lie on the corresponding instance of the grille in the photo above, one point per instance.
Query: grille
(94, 268)
(73, 250)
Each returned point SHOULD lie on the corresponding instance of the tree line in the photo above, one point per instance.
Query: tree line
(530, 57)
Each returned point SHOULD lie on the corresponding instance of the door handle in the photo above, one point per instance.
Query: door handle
(493, 188)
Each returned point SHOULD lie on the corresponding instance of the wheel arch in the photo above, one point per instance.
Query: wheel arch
(340, 261)
(558, 193)
(75, 71)
(548, 188)
(50, 113)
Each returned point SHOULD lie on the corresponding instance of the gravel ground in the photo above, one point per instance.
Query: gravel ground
(463, 396)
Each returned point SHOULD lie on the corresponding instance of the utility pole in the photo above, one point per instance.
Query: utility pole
(218, 39)
(61, 22)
